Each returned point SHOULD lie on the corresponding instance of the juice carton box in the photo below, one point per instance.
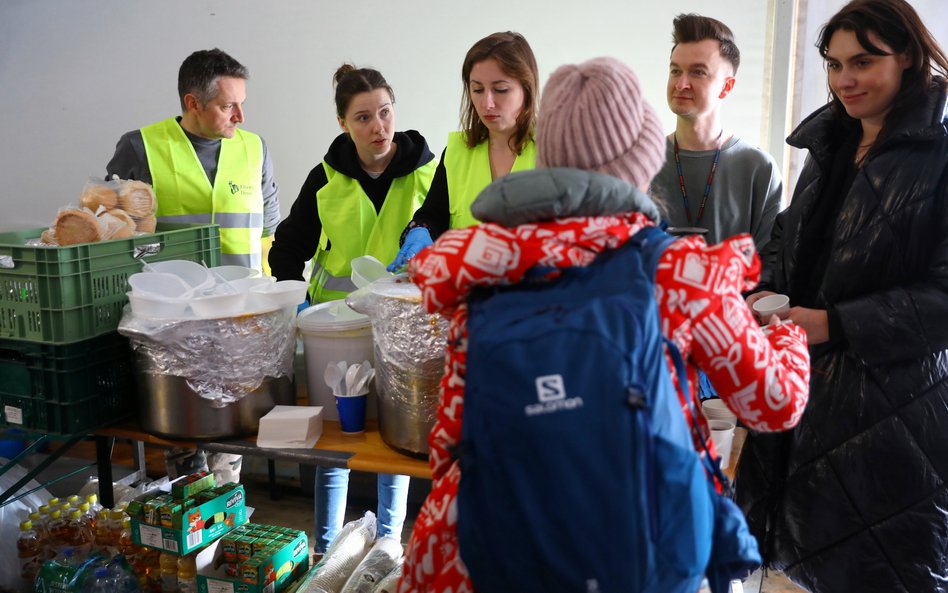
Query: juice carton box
(274, 566)
(184, 529)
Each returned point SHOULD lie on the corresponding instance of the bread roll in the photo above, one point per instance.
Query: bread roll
(77, 226)
(116, 224)
(147, 224)
(98, 194)
(137, 198)
(49, 237)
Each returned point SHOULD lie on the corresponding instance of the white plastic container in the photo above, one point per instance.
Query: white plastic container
(332, 332)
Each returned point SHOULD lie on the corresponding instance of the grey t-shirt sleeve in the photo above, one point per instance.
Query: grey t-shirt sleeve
(129, 160)
(271, 195)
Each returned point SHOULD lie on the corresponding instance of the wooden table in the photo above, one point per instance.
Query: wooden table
(362, 452)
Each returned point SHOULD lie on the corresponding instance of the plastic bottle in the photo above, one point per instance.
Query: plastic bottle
(29, 550)
(168, 565)
(39, 526)
(73, 500)
(116, 516)
(53, 503)
(78, 534)
(102, 531)
(125, 579)
(100, 582)
(187, 573)
(150, 577)
(126, 546)
(88, 517)
(93, 500)
(58, 533)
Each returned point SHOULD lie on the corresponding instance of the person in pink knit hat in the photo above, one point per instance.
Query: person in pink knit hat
(599, 143)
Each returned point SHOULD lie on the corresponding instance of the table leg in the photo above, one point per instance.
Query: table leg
(103, 459)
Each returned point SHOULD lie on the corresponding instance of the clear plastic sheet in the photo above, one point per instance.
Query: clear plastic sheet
(409, 346)
(221, 359)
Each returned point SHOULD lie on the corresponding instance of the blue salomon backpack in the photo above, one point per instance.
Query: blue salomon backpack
(578, 471)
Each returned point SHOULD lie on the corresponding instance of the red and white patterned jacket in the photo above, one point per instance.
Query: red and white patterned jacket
(762, 374)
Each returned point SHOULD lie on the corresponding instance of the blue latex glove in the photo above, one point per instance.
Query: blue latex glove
(417, 239)
(302, 306)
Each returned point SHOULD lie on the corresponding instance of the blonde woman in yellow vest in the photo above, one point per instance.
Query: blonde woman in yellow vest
(356, 202)
(203, 168)
(498, 116)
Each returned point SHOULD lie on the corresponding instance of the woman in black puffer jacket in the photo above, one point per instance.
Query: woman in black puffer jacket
(855, 498)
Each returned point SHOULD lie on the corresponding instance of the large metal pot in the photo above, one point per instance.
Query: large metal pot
(167, 406)
(408, 403)
(409, 346)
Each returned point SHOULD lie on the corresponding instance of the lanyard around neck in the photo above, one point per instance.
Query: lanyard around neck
(707, 188)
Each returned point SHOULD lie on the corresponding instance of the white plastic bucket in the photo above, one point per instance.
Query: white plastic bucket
(332, 332)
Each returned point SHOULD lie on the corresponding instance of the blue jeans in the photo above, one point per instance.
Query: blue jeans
(330, 489)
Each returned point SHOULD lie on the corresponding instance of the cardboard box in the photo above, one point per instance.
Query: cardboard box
(263, 573)
(194, 527)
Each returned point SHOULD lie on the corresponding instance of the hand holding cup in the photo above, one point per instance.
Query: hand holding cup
(765, 308)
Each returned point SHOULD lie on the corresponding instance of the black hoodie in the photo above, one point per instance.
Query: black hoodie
(297, 237)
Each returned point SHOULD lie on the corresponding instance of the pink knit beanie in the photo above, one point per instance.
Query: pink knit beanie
(593, 117)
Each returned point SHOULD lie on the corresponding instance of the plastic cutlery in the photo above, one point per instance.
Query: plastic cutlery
(334, 375)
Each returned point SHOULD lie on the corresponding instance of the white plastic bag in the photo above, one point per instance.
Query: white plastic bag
(381, 559)
(343, 556)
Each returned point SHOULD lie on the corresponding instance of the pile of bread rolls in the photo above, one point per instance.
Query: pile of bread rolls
(114, 209)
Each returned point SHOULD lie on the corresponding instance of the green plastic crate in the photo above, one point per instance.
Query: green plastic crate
(59, 295)
(66, 373)
(59, 418)
(66, 388)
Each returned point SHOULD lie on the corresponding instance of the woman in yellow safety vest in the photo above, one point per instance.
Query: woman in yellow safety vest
(355, 202)
(498, 116)
(359, 198)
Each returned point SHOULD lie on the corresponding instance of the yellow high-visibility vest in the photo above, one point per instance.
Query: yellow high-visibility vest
(352, 228)
(468, 171)
(185, 194)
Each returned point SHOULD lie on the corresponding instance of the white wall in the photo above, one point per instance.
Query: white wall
(75, 75)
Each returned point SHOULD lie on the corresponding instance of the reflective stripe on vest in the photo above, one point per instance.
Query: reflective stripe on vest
(468, 171)
(352, 228)
(235, 201)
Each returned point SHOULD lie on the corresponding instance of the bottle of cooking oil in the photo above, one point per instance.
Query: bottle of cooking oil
(116, 516)
(126, 545)
(58, 528)
(149, 570)
(168, 564)
(78, 534)
(93, 500)
(39, 526)
(29, 551)
(187, 573)
(102, 532)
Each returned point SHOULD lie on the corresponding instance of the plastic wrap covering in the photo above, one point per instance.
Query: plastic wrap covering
(221, 359)
(409, 346)
(389, 584)
(381, 559)
(343, 556)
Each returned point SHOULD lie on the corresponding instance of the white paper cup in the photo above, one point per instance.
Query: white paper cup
(774, 304)
(714, 409)
(722, 433)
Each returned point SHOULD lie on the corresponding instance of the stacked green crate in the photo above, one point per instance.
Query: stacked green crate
(63, 367)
